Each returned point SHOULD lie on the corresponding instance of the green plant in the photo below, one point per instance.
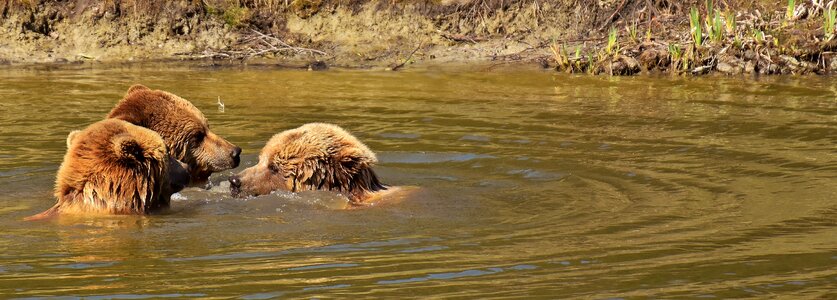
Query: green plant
(829, 18)
(675, 55)
(709, 8)
(729, 21)
(688, 57)
(758, 36)
(632, 32)
(612, 46)
(715, 28)
(648, 34)
(590, 68)
(674, 52)
(694, 23)
(791, 6)
(713, 22)
(560, 55)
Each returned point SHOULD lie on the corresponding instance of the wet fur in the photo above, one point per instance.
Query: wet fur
(111, 167)
(314, 156)
(183, 128)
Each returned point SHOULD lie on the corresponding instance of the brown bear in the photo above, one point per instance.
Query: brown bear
(115, 167)
(183, 128)
(313, 156)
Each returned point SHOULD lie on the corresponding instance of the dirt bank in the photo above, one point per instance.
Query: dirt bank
(611, 37)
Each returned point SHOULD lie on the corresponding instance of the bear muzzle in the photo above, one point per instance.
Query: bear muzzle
(235, 185)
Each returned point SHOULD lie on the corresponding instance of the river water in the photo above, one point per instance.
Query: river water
(530, 185)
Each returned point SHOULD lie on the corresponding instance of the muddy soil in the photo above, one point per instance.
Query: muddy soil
(565, 35)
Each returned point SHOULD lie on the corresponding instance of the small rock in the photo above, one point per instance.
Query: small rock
(790, 60)
(317, 66)
(630, 62)
(749, 67)
(624, 65)
(724, 68)
(701, 70)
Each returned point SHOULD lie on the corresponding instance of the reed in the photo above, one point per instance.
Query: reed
(633, 32)
(612, 44)
(729, 21)
(758, 36)
(559, 54)
(829, 20)
(789, 12)
(716, 28)
(675, 55)
(694, 24)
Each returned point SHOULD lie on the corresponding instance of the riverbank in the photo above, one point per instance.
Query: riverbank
(597, 37)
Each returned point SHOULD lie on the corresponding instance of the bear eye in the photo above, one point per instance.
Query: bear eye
(138, 153)
(273, 168)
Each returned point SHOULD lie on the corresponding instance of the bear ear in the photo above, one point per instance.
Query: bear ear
(354, 159)
(125, 146)
(70, 137)
(136, 88)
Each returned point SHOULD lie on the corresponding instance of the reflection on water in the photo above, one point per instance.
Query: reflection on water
(531, 185)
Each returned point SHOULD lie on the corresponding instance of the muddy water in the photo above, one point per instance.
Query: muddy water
(530, 185)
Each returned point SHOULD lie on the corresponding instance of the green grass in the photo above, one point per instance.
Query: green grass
(674, 53)
(612, 45)
(716, 28)
(694, 23)
(758, 36)
(729, 21)
(633, 32)
(791, 7)
(829, 18)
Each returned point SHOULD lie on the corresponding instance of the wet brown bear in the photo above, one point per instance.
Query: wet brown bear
(114, 167)
(183, 128)
(314, 156)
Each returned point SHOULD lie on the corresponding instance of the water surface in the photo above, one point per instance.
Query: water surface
(532, 184)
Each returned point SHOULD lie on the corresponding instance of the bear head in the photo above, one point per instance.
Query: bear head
(114, 167)
(314, 156)
(183, 128)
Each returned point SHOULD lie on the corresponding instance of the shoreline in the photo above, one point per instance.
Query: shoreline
(590, 38)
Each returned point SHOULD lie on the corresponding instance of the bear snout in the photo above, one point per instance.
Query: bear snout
(235, 185)
(236, 156)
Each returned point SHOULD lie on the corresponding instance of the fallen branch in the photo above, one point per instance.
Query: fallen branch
(398, 66)
(271, 42)
(256, 44)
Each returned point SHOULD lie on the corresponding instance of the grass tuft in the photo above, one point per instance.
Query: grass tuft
(694, 23)
(612, 44)
(829, 20)
(791, 7)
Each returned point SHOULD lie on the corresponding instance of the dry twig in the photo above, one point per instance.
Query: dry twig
(256, 44)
